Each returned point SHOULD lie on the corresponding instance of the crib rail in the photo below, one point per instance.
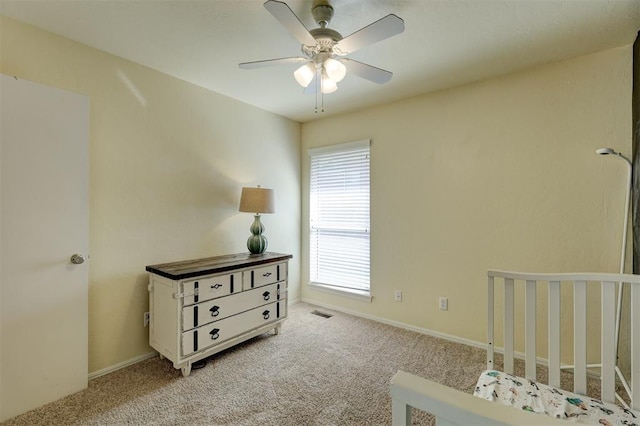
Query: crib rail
(452, 407)
(608, 285)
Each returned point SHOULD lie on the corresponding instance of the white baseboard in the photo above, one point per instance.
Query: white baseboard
(398, 324)
(122, 364)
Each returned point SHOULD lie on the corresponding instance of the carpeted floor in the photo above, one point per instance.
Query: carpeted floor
(317, 371)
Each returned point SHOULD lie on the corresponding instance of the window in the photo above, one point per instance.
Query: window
(339, 218)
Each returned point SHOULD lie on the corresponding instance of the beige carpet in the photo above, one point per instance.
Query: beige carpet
(318, 371)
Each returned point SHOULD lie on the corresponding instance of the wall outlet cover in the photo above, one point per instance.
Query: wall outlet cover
(444, 303)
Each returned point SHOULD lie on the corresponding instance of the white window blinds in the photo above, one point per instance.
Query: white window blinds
(339, 215)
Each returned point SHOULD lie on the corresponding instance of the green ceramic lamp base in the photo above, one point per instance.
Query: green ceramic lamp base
(257, 243)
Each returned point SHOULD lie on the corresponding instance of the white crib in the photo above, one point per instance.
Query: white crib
(450, 406)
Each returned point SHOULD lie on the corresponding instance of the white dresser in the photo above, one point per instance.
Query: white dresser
(203, 306)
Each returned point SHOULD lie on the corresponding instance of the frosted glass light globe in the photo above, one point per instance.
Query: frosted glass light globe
(305, 74)
(335, 69)
(328, 85)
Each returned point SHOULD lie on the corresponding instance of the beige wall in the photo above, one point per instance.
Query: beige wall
(167, 161)
(497, 174)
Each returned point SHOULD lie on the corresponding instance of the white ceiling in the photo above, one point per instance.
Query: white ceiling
(446, 43)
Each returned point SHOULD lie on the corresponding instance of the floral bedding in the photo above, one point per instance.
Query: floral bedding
(540, 398)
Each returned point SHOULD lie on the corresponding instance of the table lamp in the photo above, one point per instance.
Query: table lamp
(257, 200)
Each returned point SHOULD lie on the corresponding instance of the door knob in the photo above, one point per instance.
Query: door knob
(77, 259)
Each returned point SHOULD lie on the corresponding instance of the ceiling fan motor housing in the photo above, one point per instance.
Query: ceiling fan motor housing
(322, 14)
(325, 37)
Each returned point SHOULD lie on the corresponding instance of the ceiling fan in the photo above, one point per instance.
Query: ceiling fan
(324, 63)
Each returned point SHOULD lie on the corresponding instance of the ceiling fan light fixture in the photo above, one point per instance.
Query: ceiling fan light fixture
(324, 48)
(335, 69)
(305, 74)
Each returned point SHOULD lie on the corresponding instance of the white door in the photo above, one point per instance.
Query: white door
(44, 221)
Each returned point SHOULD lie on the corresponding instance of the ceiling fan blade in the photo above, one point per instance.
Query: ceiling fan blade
(272, 62)
(383, 28)
(290, 21)
(368, 72)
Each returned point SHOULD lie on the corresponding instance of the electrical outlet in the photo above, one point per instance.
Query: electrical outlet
(444, 303)
(147, 317)
(398, 296)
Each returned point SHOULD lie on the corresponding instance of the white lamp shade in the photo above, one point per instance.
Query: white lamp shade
(305, 74)
(335, 69)
(328, 85)
(257, 200)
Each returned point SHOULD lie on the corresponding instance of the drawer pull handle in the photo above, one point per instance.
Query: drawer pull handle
(214, 311)
(214, 333)
(216, 286)
(266, 295)
(266, 274)
(265, 315)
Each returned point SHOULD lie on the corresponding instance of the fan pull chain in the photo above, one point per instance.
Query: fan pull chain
(318, 88)
(322, 92)
(316, 82)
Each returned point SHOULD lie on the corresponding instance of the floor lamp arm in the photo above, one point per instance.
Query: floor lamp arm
(623, 254)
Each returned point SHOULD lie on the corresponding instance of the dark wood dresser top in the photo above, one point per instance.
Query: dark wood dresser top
(212, 265)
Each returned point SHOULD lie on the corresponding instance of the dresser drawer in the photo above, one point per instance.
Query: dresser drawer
(263, 276)
(206, 288)
(217, 309)
(225, 329)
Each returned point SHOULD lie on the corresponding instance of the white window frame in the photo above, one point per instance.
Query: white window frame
(353, 231)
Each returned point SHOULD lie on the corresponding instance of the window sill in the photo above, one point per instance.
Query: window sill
(362, 295)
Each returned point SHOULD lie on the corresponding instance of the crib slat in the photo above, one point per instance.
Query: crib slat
(554, 333)
(580, 337)
(635, 346)
(490, 320)
(530, 330)
(608, 342)
(508, 326)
